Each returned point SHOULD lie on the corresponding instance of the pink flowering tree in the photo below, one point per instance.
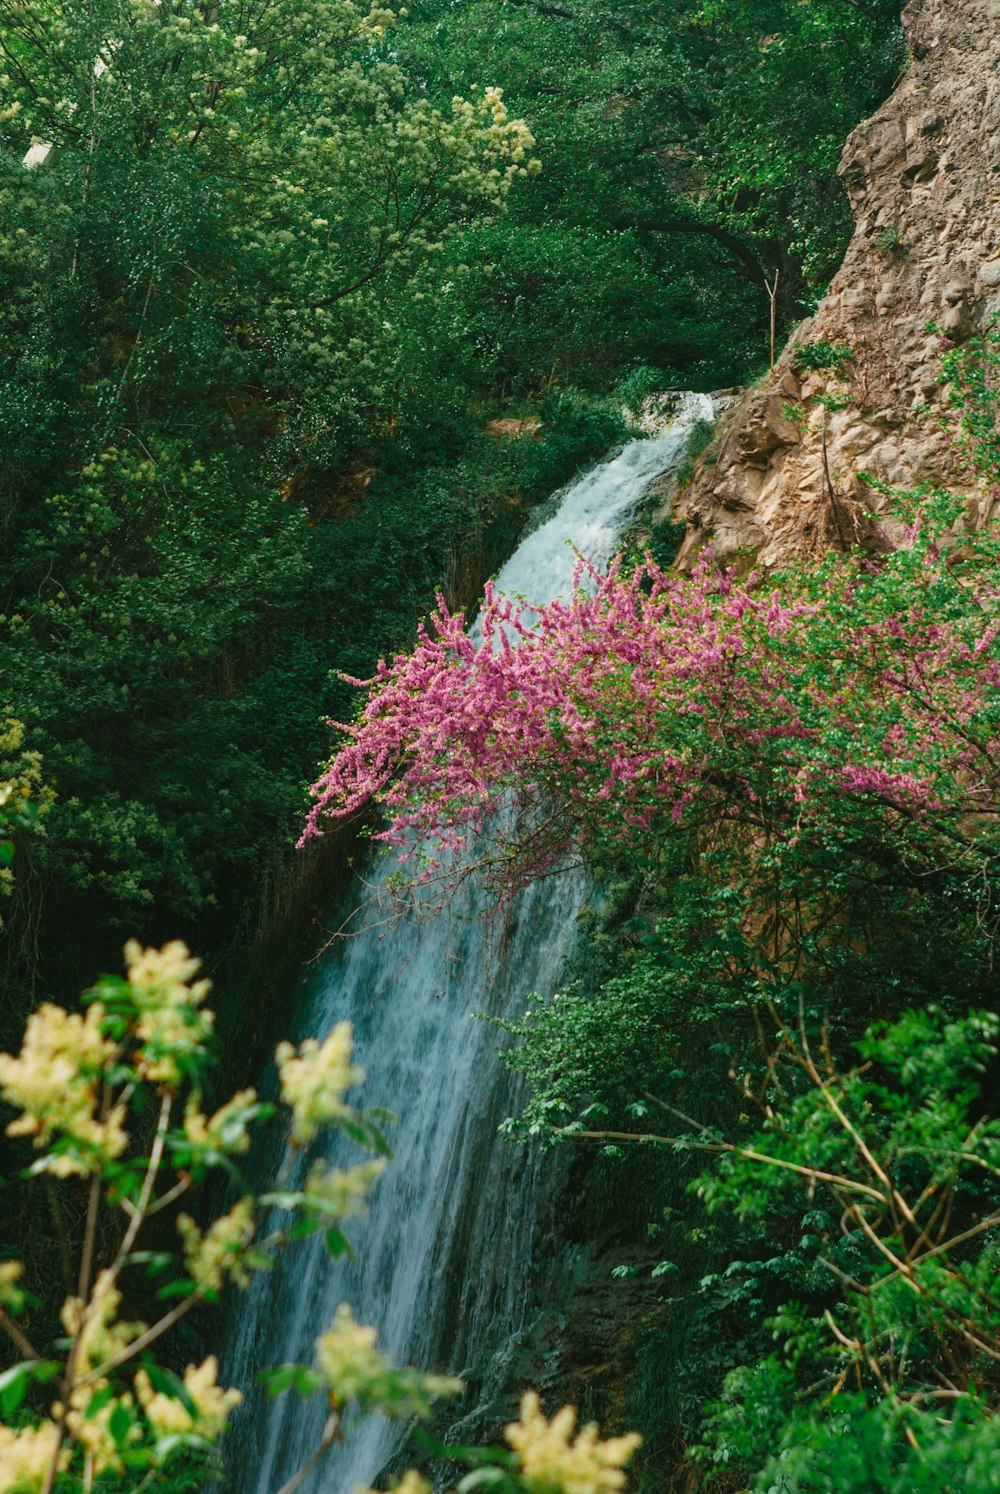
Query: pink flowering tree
(648, 702)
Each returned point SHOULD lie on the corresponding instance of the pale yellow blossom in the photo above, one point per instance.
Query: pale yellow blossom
(342, 1194)
(170, 1025)
(92, 1429)
(101, 1335)
(55, 1082)
(347, 1358)
(315, 1079)
(167, 1415)
(205, 1130)
(553, 1464)
(410, 1483)
(211, 1257)
(101, 1338)
(26, 1456)
(355, 1370)
(10, 1293)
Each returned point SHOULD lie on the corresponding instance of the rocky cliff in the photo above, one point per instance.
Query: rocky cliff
(923, 176)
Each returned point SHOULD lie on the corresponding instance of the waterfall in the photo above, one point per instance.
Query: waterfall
(443, 1255)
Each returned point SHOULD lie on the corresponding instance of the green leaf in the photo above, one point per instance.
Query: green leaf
(298, 1377)
(338, 1244)
(483, 1478)
(175, 1289)
(98, 1401)
(167, 1383)
(14, 1386)
(120, 1424)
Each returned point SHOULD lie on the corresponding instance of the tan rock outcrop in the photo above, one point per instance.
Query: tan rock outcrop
(923, 176)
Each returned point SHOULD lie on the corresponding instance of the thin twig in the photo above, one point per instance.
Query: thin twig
(18, 1338)
(326, 1442)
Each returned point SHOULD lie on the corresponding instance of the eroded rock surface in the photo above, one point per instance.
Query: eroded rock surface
(923, 175)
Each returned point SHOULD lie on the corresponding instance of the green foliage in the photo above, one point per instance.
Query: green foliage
(259, 302)
(822, 357)
(637, 385)
(249, 337)
(576, 431)
(665, 539)
(857, 1228)
(887, 241)
(221, 287)
(689, 152)
(970, 372)
(24, 798)
(906, 1222)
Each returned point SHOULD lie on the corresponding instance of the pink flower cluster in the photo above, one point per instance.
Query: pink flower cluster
(648, 699)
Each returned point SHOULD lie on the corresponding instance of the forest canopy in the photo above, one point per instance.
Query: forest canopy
(268, 269)
(307, 305)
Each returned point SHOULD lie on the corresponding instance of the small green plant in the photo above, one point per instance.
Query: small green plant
(796, 413)
(638, 384)
(699, 440)
(665, 539)
(970, 373)
(823, 357)
(886, 241)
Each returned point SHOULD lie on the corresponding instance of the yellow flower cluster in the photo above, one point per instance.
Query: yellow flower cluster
(410, 1483)
(355, 1370)
(211, 1257)
(170, 1026)
(10, 1293)
(92, 1429)
(168, 1416)
(102, 1337)
(315, 1079)
(26, 1457)
(55, 1083)
(347, 1358)
(341, 1194)
(204, 1130)
(553, 1464)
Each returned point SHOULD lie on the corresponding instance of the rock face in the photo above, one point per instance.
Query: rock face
(923, 176)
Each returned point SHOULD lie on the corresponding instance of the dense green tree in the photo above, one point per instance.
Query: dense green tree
(690, 153)
(220, 226)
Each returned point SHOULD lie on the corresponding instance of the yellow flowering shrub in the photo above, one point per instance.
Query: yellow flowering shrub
(26, 1455)
(169, 1416)
(228, 1130)
(341, 1192)
(121, 1416)
(220, 1252)
(94, 1325)
(171, 1026)
(315, 1078)
(56, 1081)
(94, 1427)
(551, 1461)
(355, 1370)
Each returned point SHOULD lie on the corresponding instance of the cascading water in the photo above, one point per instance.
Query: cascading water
(443, 1255)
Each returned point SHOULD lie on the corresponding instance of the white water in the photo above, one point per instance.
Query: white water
(444, 1255)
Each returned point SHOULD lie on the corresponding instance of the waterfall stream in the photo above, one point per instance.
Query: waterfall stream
(443, 1255)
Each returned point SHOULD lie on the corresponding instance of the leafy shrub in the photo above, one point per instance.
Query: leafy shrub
(83, 1087)
(822, 357)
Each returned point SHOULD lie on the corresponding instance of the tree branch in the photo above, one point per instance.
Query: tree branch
(729, 241)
